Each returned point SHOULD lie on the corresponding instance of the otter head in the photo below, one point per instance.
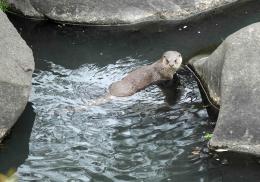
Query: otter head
(172, 60)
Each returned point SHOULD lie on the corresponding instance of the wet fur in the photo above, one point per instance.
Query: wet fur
(142, 77)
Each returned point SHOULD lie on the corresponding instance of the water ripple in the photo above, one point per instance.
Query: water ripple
(130, 139)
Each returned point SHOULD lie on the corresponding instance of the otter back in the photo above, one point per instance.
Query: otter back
(133, 82)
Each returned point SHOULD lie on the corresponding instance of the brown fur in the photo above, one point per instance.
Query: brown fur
(139, 79)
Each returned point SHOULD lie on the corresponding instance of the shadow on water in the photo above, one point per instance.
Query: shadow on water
(234, 167)
(72, 46)
(15, 148)
(170, 90)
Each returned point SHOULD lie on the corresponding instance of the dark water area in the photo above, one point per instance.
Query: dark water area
(72, 46)
(15, 149)
(138, 138)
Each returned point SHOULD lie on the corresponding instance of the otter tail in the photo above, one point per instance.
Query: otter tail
(101, 100)
(86, 105)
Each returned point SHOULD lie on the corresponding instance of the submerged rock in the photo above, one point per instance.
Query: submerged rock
(116, 11)
(16, 68)
(232, 77)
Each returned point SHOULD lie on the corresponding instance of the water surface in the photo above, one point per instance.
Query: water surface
(136, 138)
(152, 136)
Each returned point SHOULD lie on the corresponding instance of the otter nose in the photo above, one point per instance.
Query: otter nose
(180, 60)
(177, 62)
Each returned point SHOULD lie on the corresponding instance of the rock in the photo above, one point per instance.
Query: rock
(16, 68)
(117, 11)
(232, 77)
(24, 7)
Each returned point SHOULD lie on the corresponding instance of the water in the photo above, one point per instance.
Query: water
(134, 138)
(152, 136)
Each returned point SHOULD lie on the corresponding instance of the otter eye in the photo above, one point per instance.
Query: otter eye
(175, 61)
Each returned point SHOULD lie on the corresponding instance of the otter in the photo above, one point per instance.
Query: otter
(147, 75)
(137, 80)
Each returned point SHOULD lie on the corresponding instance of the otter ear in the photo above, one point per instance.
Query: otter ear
(165, 60)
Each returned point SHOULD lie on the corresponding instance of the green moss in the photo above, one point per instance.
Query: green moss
(208, 136)
(3, 5)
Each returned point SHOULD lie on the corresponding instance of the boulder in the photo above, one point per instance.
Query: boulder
(24, 7)
(116, 11)
(231, 77)
(16, 68)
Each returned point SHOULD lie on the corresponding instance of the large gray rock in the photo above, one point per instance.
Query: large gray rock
(24, 7)
(231, 75)
(16, 68)
(117, 11)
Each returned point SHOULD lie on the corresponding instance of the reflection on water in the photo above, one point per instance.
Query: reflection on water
(138, 137)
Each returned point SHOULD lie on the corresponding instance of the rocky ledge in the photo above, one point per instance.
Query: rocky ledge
(113, 12)
(16, 68)
(231, 77)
